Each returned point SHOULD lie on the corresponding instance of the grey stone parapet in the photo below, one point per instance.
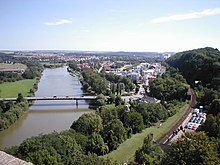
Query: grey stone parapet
(6, 159)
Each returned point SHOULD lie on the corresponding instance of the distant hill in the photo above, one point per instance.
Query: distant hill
(199, 65)
(119, 53)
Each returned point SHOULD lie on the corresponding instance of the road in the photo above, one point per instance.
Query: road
(54, 98)
(165, 138)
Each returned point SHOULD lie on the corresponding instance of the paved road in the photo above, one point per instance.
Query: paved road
(54, 98)
(165, 138)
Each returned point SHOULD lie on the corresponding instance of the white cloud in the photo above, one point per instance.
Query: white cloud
(187, 16)
(59, 22)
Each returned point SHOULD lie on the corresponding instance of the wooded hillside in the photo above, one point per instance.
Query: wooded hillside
(199, 65)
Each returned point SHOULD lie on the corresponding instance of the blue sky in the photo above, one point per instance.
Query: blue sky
(109, 25)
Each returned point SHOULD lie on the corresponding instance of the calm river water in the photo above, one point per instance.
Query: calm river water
(48, 116)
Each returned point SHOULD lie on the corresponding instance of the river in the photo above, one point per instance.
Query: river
(48, 116)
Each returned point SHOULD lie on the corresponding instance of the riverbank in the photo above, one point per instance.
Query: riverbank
(11, 112)
(74, 72)
(48, 116)
(126, 150)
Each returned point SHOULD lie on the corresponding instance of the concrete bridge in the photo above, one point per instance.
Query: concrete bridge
(76, 98)
(53, 98)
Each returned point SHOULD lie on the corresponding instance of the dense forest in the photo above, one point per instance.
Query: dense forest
(169, 86)
(201, 68)
(199, 65)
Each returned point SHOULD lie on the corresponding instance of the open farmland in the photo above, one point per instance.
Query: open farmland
(12, 66)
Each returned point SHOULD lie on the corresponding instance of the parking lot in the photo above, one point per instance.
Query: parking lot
(196, 120)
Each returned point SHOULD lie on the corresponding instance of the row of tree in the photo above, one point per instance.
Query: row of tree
(9, 77)
(104, 83)
(34, 69)
(93, 82)
(11, 111)
(119, 83)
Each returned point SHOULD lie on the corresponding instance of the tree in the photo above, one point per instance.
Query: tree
(111, 98)
(88, 123)
(192, 148)
(80, 138)
(96, 144)
(92, 159)
(2, 105)
(169, 87)
(108, 114)
(151, 112)
(215, 107)
(203, 61)
(119, 101)
(134, 120)
(51, 147)
(114, 133)
(97, 83)
(44, 156)
(212, 125)
(8, 106)
(73, 65)
(20, 98)
(149, 153)
(101, 100)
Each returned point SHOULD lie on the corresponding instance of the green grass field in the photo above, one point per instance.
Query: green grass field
(126, 151)
(11, 89)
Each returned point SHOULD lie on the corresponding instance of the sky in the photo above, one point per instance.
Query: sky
(109, 25)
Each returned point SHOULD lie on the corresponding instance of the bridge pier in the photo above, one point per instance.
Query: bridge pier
(77, 103)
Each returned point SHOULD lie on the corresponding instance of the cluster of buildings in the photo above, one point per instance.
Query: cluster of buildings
(142, 73)
(47, 56)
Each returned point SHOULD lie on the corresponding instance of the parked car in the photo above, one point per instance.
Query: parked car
(189, 125)
(194, 127)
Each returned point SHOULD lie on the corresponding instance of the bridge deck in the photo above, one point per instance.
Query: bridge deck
(53, 98)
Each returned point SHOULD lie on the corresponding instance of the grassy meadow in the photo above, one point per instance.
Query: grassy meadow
(126, 150)
(11, 89)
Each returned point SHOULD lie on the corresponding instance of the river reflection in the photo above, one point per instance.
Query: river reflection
(48, 116)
